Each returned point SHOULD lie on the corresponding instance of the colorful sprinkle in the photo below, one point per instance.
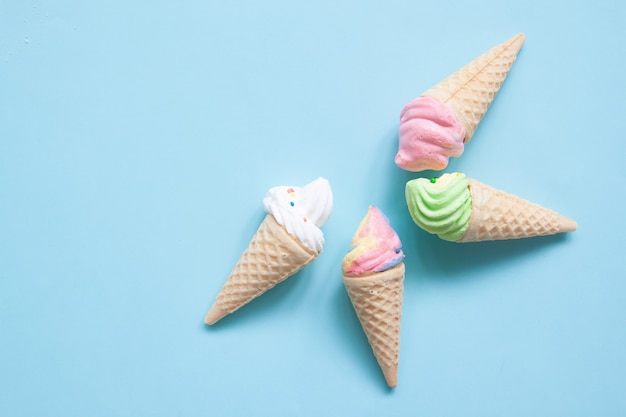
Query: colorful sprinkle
(304, 219)
(290, 190)
(292, 204)
(433, 180)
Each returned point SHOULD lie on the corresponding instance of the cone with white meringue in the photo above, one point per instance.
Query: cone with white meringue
(287, 240)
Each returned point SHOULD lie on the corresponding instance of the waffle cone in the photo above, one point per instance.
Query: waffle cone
(470, 90)
(497, 215)
(377, 300)
(271, 256)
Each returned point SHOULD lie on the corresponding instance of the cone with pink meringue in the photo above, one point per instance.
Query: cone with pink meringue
(437, 124)
(373, 274)
(461, 209)
(288, 239)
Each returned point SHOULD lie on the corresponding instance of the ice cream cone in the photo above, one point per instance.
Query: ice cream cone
(377, 300)
(497, 215)
(470, 90)
(461, 209)
(271, 256)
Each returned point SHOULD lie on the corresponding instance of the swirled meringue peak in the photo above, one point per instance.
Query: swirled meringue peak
(429, 135)
(302, 210)
(375, 246)
(441, 206)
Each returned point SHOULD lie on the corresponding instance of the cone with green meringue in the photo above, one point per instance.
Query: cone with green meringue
(461, 209)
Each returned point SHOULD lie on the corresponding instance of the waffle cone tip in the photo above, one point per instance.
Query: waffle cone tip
(214, 315)
(391, 375)
(516, 41)
(567, 225)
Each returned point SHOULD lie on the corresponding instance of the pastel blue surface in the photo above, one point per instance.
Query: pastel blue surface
(138, 139)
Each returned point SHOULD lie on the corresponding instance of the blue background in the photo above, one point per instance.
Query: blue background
(138, 139)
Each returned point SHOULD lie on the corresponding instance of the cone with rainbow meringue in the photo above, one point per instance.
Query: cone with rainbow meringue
(461, 209)
(288, 239)
(373, 274)
(436, 125)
